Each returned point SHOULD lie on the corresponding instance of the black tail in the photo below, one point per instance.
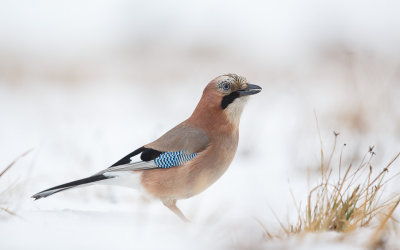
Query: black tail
(69, 185)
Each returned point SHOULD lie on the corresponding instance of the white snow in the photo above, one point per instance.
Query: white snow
(84, 84)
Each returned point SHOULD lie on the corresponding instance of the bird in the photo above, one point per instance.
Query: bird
(187, 159)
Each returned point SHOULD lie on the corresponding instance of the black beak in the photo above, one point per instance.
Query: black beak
(250, 90)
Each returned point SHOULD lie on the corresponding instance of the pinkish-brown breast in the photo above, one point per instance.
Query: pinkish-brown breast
(207, 167)
(191, 179)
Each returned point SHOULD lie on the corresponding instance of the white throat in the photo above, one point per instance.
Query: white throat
(235, 109)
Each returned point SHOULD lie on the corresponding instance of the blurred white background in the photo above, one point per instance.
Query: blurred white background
(86, 82)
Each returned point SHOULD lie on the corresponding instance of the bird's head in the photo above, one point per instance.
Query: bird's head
(228, 94)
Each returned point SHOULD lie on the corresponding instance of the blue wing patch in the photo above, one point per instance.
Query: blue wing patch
(173, 159)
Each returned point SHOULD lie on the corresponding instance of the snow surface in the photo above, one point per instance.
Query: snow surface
(85, 84)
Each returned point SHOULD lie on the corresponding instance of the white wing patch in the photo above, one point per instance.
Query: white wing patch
(141, 165)
(135, 158)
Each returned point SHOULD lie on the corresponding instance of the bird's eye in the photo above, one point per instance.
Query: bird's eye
(226, 86)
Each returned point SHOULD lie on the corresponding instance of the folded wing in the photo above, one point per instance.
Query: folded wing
(178, 146)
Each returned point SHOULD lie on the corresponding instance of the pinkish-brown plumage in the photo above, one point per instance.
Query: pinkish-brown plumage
(216, 143)
(210, 136)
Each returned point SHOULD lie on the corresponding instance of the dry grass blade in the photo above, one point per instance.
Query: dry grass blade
(265, 230)
(14, 161)
(8, 211)
(376, 239)
(5, 170)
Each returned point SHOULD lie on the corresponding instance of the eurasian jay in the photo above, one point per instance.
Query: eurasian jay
(188, 158)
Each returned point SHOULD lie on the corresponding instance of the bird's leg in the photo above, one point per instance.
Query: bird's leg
(171, 204)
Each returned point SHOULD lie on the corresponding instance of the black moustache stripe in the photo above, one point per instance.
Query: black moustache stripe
(228, 99)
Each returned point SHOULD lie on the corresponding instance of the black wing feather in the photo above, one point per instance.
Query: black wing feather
(127, 159)
(150, 154)
(147, 154)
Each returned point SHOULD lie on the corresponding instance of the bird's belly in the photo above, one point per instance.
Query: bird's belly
(191, 179)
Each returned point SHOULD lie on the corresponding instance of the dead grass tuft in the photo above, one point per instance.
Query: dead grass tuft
(3, 172)
(346, 200)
